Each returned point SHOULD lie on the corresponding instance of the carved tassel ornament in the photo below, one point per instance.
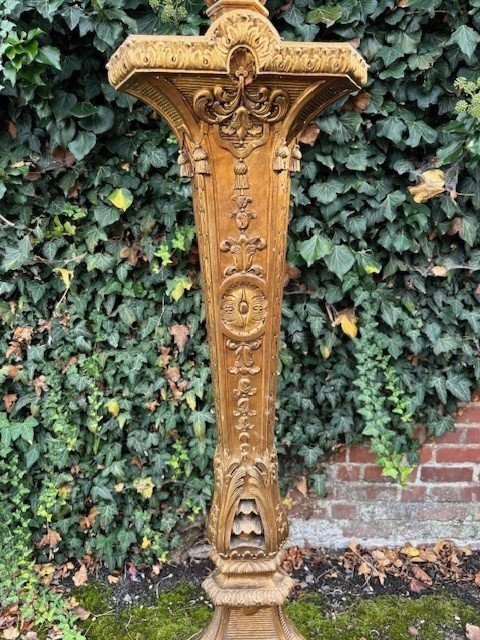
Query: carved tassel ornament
(238, 98)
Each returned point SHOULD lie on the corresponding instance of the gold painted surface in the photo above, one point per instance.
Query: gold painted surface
(237, 98)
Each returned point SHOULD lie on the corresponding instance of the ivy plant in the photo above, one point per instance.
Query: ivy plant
(107, 406)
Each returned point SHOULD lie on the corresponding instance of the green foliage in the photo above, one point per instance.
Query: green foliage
(99, 261)
(19, 583)
(382, 402)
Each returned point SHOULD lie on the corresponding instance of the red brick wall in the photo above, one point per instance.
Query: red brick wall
(441, 500)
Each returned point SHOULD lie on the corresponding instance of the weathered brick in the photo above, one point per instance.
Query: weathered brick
(427, 453)
(451, 493)
(458, 454)
(442, 512)
(355, 531)
(320, 513)
(373, 473)
(348, 472)
(361, 453)
(452, 437)
(446, 474)
(469, 414)
(381, 492)
(344, 511)
(472, 435)
(413, 493)
(340, 455)
(351, 492)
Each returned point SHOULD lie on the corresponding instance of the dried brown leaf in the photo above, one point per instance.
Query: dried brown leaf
(416, 586)
(472, 632)
(291, 273)
(432, 183)
(422, 575)
(347, 321)
(358, 103)
(80, 577)
(9, 401)
(179, 332)
(310, 134)
(80, 612)
(50, 539)
(40, 385)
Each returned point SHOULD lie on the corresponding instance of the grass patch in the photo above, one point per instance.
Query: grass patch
(179, 614)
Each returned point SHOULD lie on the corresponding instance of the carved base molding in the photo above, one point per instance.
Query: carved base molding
(249, 608)
(248, 589)
(261, 623)
(248, 601)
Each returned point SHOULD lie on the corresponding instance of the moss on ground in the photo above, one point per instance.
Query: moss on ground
(180, 613)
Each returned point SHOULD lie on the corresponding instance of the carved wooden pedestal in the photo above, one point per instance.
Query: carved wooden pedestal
(237, 99)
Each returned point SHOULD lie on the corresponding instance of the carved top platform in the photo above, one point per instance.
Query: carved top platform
(235, 23)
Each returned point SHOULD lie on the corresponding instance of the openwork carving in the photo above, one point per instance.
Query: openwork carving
(249, 501)
(237, 99)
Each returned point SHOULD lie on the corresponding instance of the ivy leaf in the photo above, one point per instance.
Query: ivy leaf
(144, 486)
(468, 230)
(340, 261)
(390, 313)
(348, 322)
(388, 208)
(325, 192)
(105, 215)
(177, 287)
(63, 104)
(121, 198)
(82, 144)
(459, 386)
(327, 15)
(315, 248)
(309, 455)
(49, 55)
(18, 256)
(444, 344)
(466, 38)
(293, 16)
(419, 130)
(392, 128)
(98, 122)
(368, 264)
(100, 261)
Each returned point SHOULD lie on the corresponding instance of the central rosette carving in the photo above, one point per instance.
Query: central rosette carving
(243, 309)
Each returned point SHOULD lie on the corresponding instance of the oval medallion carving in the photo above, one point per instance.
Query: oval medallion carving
(243, 308)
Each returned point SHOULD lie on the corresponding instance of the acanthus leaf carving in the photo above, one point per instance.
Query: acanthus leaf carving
(243, 250)
(244, 362)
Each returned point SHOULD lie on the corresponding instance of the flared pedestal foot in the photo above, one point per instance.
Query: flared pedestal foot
(250, 623)
(249, 607)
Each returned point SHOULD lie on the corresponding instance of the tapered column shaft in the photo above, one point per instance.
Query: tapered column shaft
(237, 99)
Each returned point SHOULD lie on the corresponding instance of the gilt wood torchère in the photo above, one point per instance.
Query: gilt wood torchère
(237, 99)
